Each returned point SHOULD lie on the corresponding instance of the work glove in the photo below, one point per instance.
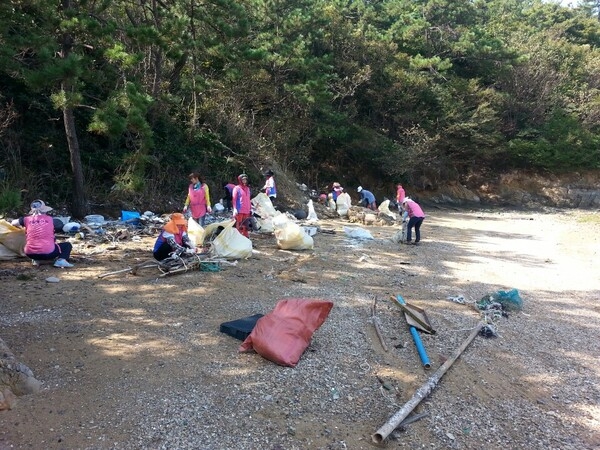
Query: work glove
(185, 208)
(189, 252)
(15, 223)
(209, 209)
(235, 212)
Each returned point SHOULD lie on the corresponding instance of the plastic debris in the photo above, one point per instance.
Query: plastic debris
(488, 331)
(457, 299)
(509, 300)
(357, 233)
(335, 395)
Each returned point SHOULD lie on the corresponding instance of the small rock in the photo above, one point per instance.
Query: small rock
(52, 280)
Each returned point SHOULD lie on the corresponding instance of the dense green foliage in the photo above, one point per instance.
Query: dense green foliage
(130, 96)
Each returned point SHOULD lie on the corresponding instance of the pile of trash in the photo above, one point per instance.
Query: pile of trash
(98, 229)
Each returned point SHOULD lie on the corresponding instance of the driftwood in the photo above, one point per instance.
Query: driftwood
(376, 324)
(145, 265)
(172, 265)
(423, 391)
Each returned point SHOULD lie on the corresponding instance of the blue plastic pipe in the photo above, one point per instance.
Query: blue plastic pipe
(417, 338)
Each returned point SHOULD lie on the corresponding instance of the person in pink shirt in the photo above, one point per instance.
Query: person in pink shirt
(242, 208)
(40, 242)
(198, 199)
(416, 217)
(400, 194)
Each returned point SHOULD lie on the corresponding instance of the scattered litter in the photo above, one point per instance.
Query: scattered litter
(311, 231)
(71, 227)
(312, 215)
(509, 300)
(410, 419)
(357, 233)
(52, 280)
(131, 217)
(386, 385)
(488, 331)
(335, 395)
(240, 328)
(458, 299)
(382, 433)
(94, 219)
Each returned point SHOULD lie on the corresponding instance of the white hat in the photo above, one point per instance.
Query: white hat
(38, 206)
(359, 189)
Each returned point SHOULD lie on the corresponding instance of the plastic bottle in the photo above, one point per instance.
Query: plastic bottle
(335, 394)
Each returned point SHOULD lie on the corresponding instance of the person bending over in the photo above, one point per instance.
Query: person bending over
(416, 217)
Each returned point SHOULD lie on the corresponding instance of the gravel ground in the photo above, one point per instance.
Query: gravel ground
(138, 362)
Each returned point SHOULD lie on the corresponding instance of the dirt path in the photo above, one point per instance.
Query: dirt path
(138, 361)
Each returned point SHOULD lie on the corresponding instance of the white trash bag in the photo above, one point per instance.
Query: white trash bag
(263, 206)
(312, 214)
(357, 233)
(343, 202)
(12, 241)
(290, 236)
(265, 225)
(195, 232)
(231, 244)
(384, 208)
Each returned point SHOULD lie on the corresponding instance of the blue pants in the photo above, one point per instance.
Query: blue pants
(62, 250)
(414, 222)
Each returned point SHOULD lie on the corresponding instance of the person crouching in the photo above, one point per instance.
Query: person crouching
(173, 239)
(367, 199)
(40, 241)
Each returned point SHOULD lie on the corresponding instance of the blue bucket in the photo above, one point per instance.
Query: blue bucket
(132, 217)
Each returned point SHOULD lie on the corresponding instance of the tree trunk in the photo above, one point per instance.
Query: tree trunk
(79, 207)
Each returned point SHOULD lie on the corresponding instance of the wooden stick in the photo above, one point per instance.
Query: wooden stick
(376, 324)
(129, 269)
(423, 391)
(144, 265)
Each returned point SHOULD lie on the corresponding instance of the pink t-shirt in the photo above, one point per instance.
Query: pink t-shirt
(39, 234)
(414, 210)
(400, 194)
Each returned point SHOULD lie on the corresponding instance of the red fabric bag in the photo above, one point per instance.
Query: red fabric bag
(282, 335)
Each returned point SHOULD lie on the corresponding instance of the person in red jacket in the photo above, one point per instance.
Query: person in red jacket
(242, 207)
(416, 217)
